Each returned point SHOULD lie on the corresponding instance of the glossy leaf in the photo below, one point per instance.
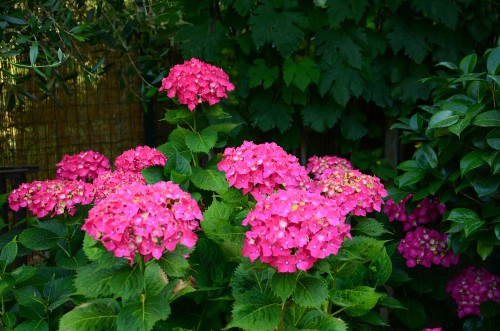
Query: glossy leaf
(426, 157)
(471, 161)
(443, 119)
(490, 118)
(468, 63)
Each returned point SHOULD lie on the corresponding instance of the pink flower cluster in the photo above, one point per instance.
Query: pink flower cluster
(110, 182)
(425, 246)
(134, 160)
(53, 196)
(427, 211)
(317, 165)
(292, 229)
(195, 81)
(86, 166)
(262, 169)
(352, 190)
(472, 287)
(145, 220)
(435, 329)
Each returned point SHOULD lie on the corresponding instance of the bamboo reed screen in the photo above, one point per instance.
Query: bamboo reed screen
(96, 116)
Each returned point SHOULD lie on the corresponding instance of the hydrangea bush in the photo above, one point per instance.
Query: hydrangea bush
(194, 235)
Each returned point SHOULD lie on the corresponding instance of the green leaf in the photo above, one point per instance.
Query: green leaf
(178, 116)
(341, 81)
(280, 29)
(467, 217)
(38, 239)
(126, 282)
(23, 273)
(370, 227)
(318, 320)
(98, 314)
(33, 53)
(301, 74)
(443, 119)
(471, 161)
(426, 157)
(493, 61)
(468, 63)
(338, 11)
(409, 178)
(380, 269)
(484, 250)
(485, 185)
(442, 11)
(261, 74)
(58, 291)
(9, 253)
(179, 164)
(31, 298)
(357, 301)
(202, 141)
(410, 37)
(360, 248)
(414, 316)
(143, 316)
(13, 20)
(210, 179)
(255, 311)
(353, 125)
(490, 118)
(493, 139)
(174, 264)
(284, 284)
(391, 302)
(93, 282)
(155, 278)
(373, 318)
(33, 325)
(321, 117)
(310, 292)
(9, 319)
(280, 116)
(153, 174)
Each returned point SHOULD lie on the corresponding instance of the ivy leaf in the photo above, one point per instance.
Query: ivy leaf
(321, 117)
(202, 141)
(357, 301)
(143, 315)
(301, 73)
(261, 74)
(283, 30)
(210, 179)
(91, 315)
(310, 292)
(255, 311)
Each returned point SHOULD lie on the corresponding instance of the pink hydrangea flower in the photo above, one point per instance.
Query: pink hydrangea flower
(86, 166)
(195, 81)
(262, 169)
(134, 160)
(317, 165)
(113, 181)
(353, 191)
(471, 287)
(425, 246)
(426, 211)
(435, 329)
(145, 220)
(53, 196)
(292, 229)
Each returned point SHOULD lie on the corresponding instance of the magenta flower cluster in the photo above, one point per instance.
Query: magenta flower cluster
(86, 166)
(471, 287)
(134, 160)
(262, 169)
(54, 197)
(426, 211)
(111, 182)
(145, 220)
(292, 229)
(195, 81)
(317, 165)
(426, 247)
(353, 191)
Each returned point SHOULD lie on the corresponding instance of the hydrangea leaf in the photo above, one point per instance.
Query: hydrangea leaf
(357, 301)
(301, 73)
(318, 320)
(202, 141)
(93, 282)
(261, 74)
(9, 253)
(153, 175)
(155, 278)
(39, 239)
(414, 315)
(310, 292)
(255, 311)
(143, 315)
(126, 282)
(173, 264)
(380, 269)
(284, 284)
(178, 116)
(210, 179)
(93, 314)
(283, 30)
(33, 325)
(370, 227)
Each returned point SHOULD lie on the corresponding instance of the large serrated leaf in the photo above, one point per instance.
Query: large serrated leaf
(202, 141)
(142, 316)
(98, 314)
(255, 311)
(357, 301)
(126, 282)
(93, 282)
(310, 292)
(261, 74)
(9, 253)
(210, 179)
(370, 227)
(380, 269)
(38, 239)
(284, 284)
(155, 279)
(173, 264)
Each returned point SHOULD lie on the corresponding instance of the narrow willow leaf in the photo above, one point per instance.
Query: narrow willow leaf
(33, 53)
